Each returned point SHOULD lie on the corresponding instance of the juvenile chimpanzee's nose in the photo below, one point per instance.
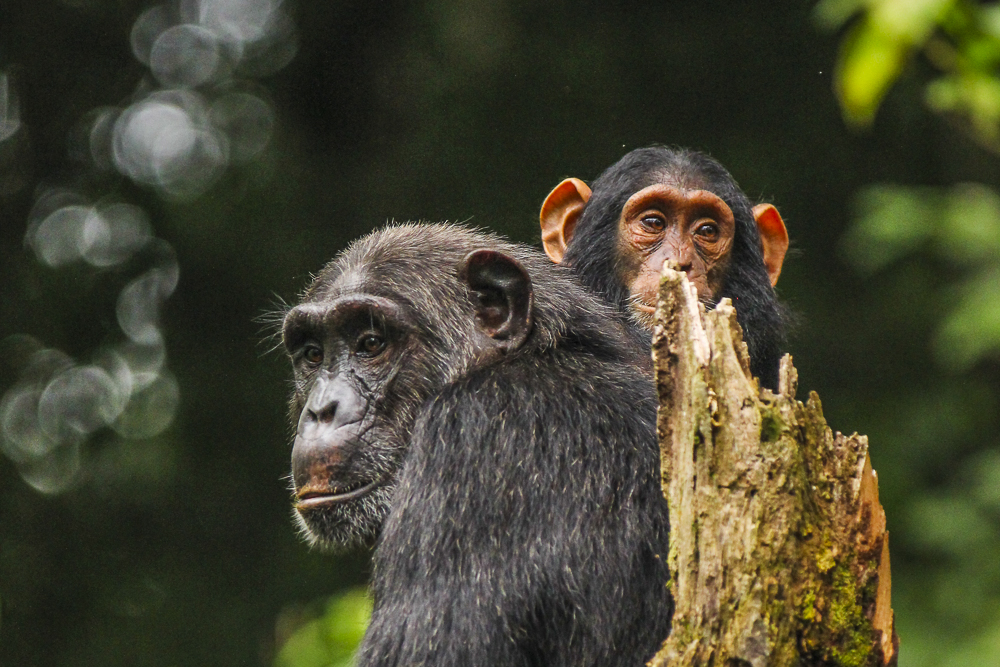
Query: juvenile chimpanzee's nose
(675, 247)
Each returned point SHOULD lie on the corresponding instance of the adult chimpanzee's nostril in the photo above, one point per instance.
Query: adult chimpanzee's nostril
(326, 413)
(309, 415)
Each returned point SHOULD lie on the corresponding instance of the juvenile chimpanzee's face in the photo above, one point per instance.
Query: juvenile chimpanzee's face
(348, 353)
(694, 228)
(658, 204)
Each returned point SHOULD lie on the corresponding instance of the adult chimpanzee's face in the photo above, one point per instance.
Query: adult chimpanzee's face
(346, 352)
(694, 228)
(383, 328)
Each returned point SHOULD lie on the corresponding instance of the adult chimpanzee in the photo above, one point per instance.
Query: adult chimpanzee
(526, 523)
(660, 203)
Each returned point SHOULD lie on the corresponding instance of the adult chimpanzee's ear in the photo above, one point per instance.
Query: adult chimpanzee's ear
(560, 212)
(773, 238)
(501, 292)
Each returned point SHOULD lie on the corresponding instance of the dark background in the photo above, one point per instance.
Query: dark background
(179, 549)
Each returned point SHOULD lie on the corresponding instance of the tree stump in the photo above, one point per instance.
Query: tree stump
(779, 552)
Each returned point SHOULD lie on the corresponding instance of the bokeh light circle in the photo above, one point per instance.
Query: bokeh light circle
(147, 28)
(166, 141)
(247, 120)
(23, 438)
(151, 410)
(112, 233)
(185, 56)
(56, 240)
(79, 401)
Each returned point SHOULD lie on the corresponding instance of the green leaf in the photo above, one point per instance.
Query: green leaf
(989, 20)
(951, 524)
(869, 62)
(908, 21)
(943, 94)
(874, 52)
(331, 639)
(970, 228)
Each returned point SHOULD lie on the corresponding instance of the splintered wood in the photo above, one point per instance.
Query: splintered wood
(779, 553)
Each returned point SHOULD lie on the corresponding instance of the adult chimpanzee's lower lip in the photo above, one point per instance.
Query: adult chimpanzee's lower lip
(312, 500)
(644, 308)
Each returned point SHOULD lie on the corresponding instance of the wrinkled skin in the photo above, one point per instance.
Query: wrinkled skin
(372, 340)
(354, 359)
(692, 228)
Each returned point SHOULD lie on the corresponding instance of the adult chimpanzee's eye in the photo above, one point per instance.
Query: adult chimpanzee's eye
(312, 354)
(708, 231)
(370, 345)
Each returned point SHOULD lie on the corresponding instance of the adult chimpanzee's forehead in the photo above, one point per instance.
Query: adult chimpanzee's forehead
(422, 291)
(403, 258)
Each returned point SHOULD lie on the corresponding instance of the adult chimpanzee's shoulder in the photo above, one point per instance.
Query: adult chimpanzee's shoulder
(557, 406)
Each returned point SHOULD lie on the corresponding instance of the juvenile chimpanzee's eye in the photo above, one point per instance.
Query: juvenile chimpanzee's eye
(708, 231)
(653, 223)
(370, 345)
(313, 354)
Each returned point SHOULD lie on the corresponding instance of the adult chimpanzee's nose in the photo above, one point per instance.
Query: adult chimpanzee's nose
(323, 449)
(333, 402)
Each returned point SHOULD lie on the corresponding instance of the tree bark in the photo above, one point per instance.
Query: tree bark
(779, 553)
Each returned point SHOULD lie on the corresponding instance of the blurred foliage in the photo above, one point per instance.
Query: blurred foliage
(956, 529)
(960, 226)
(951, 606)
(959, 38)
(261, 136)
(330, 639)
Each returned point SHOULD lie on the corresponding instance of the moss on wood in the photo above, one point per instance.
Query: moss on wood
(779, 551)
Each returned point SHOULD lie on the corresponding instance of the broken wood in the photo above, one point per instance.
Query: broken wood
(779, 553)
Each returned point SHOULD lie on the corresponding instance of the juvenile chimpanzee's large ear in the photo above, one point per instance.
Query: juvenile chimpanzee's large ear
(773, 238)
(560, 212)
(501, 292)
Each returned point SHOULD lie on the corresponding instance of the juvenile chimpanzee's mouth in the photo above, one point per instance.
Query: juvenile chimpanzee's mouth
(642, 314)
(310, 500)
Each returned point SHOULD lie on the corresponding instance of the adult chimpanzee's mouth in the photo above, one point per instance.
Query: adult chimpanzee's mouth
(310, 500)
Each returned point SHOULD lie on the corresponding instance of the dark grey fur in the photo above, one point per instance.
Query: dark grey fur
(526, 525)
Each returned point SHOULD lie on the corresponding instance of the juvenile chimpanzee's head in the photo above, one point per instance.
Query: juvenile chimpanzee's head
(385, 326)
(658, 204)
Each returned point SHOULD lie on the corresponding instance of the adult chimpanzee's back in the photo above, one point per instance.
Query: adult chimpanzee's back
(473, 401)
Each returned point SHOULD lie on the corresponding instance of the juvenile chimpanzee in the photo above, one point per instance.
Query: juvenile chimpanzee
(661, 203)
(495, 401)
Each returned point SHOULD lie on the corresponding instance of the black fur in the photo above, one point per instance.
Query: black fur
(592, 250)
(527, 525)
